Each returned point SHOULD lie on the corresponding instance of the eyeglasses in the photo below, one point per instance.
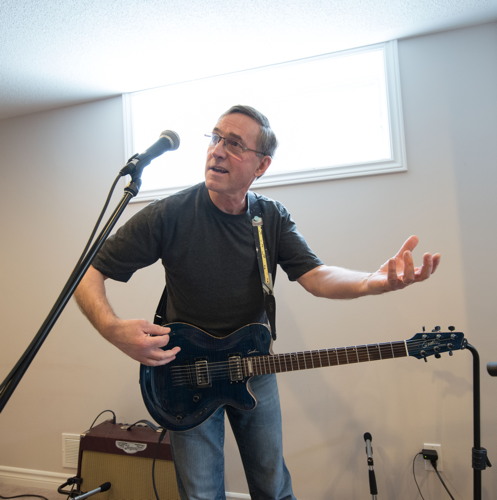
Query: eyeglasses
(232, 146)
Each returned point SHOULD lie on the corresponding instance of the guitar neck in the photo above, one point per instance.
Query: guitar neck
(305, 360)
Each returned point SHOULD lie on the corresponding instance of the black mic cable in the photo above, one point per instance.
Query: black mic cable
(372, 478)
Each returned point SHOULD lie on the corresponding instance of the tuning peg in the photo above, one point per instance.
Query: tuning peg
(452, 328)
(438, 355)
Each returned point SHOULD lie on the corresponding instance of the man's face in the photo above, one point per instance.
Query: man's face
(232, 174)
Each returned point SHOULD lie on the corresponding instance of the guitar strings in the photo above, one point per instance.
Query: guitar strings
(296, 357)
(271, 363)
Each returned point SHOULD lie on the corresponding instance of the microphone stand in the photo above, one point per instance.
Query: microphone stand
(14, 377)
(480, 459)
(372, 479)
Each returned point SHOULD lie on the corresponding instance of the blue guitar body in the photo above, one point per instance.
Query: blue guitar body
(205, 375)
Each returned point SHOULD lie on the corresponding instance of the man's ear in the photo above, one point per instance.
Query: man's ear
(263, 166)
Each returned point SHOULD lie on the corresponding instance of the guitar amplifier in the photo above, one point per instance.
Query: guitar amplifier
(125, 458)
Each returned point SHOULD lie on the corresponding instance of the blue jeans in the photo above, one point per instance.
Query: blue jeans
(199, 452)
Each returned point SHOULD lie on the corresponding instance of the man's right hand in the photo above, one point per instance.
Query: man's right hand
(138, 338)
(141, 340)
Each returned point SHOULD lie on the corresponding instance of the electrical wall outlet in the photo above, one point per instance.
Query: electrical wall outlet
(438, 449)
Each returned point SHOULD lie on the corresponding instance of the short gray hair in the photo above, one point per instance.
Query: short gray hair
(267, 142)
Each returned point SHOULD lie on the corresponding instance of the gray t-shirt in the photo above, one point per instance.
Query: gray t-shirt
(209, 257)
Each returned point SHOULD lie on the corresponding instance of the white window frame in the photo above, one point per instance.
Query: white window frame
(393, 161)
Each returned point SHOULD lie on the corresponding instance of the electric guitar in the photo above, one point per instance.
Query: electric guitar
(210, 372)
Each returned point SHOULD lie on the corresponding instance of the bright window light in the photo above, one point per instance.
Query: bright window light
(336, 115)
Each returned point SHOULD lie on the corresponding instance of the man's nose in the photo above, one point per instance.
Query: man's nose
(219, 149)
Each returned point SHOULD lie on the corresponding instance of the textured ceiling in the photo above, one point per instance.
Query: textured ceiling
(59, 52)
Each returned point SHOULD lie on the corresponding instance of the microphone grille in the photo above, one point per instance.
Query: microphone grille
(173, 138)
(367, 436)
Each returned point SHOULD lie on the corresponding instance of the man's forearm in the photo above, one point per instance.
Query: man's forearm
(92, 300)
(335, 282)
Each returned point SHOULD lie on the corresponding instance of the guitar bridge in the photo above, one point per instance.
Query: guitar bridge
(202, 376)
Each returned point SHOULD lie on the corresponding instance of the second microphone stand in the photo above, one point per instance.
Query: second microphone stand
(372, 478)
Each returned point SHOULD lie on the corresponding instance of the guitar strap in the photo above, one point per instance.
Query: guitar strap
(160, 312)
(264, 269)
(263, 261)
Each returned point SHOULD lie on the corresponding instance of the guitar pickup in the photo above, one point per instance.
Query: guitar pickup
(202, 375)
(235, 368)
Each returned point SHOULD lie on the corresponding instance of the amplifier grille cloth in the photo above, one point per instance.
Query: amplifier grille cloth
(130, 477)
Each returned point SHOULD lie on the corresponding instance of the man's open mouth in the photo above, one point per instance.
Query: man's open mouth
(219, 170)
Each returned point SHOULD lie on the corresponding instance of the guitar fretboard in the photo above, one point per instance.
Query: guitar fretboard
(280, 363)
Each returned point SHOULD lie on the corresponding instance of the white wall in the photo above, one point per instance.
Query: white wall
(56, 169)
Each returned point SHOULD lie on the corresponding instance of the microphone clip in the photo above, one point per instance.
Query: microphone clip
(130, 166)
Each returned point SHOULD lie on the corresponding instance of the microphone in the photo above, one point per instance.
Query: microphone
(100, 489)
(168, 141)
(369, 448)
(492, 369)
(369, 452)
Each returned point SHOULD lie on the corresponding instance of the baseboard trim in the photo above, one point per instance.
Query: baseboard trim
(29, 477)
(37, 478)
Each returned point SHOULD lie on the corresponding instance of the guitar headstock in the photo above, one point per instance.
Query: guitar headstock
(435, 343)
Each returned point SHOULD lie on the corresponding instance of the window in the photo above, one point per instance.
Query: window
(335, 115)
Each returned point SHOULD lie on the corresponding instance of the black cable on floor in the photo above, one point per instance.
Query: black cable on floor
(24, 496)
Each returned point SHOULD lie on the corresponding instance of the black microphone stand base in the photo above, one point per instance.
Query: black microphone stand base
(74, 483)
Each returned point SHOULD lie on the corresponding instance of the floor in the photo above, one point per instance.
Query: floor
(9, 491)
